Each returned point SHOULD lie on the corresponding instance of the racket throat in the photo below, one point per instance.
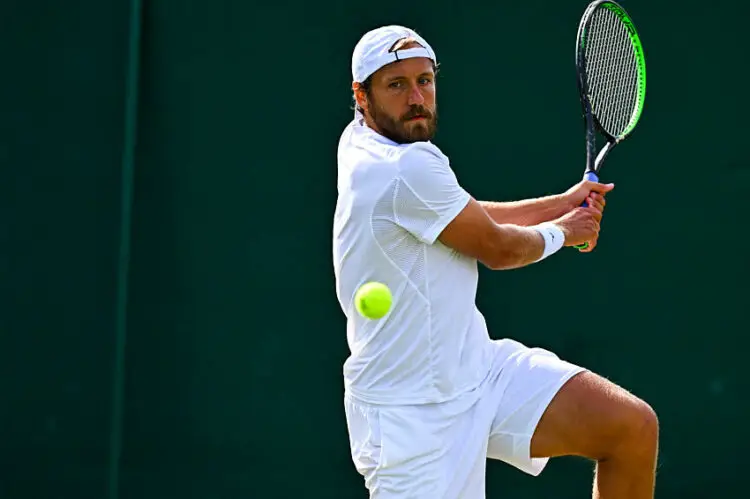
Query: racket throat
(597, 163)
(603, 154)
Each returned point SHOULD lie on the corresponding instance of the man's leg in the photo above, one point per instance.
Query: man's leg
(594, 418)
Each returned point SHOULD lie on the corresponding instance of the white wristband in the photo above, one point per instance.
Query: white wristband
(554, 238)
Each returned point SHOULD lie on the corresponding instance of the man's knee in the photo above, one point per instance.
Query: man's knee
(649, 421)
(647, 425)
(638, 430)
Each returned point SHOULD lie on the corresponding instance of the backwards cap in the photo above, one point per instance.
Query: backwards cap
(373, 51)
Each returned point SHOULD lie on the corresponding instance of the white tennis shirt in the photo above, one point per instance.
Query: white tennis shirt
(394, 200)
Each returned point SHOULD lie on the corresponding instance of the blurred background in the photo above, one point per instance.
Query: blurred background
(168, 321)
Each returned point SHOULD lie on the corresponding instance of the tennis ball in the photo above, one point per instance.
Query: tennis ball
(373, 300)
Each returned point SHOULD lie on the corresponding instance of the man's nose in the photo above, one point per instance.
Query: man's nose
(415, 96)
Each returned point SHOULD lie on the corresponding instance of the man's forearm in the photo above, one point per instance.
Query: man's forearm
(527, 212)
(516, 247)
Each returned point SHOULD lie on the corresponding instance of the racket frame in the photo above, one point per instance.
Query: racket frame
(594, 161)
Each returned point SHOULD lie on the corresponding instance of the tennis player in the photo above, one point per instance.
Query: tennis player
(428, 395)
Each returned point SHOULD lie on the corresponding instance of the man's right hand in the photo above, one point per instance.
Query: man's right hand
(580, 225)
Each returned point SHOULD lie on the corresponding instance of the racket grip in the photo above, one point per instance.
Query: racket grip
(593, 177)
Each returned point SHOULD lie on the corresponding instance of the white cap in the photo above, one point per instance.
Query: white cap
(373, 50)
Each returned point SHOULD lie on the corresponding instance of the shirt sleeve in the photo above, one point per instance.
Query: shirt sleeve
(428, 196)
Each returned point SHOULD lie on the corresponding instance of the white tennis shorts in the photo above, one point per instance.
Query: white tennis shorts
(439, 451)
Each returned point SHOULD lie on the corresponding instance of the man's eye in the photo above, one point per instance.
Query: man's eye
(395, 84)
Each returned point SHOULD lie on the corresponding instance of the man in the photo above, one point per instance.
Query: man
(428, 396)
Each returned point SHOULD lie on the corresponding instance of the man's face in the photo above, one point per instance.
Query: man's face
(401, 102)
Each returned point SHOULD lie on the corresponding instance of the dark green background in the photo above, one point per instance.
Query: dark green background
(214, 264)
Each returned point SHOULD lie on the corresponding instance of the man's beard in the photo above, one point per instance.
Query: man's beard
(400, 130)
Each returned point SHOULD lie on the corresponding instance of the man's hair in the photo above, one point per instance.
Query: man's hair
(367, 84)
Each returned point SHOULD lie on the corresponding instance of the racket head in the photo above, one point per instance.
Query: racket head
(611, 70)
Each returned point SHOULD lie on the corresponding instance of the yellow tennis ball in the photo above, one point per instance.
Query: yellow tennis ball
(373, 300)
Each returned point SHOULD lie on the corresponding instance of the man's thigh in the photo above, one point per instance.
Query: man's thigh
(524, 382)
(588, 417)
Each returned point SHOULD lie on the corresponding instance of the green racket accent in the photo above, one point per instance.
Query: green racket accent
(640, 60)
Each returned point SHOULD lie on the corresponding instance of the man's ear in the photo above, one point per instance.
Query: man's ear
(360, 96)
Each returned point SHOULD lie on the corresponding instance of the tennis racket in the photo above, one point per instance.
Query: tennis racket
(611, 80)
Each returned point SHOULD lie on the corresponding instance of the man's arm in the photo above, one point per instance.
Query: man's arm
(474, 234)
(529, 211)
(507, 246)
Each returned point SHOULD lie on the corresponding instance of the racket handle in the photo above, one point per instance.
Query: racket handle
(593, 177)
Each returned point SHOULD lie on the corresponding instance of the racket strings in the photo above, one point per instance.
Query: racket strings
(611, 71)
